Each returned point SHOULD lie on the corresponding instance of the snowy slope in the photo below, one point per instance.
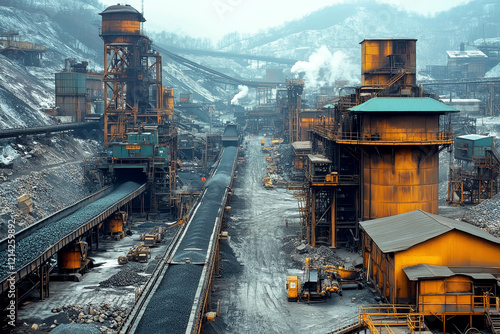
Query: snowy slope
(367, 19)
(330, 37)
(25, 90)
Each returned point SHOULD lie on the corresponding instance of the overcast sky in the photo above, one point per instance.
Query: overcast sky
(215, 18)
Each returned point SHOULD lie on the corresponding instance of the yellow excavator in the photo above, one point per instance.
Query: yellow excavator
(316, 285)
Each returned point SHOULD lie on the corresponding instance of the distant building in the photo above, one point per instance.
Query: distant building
(466, 106)
(466, 64)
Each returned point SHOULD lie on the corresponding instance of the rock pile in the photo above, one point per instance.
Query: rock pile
(107, 318)
(50, 173)
(486, 215)
(126, 276)
(299, 251)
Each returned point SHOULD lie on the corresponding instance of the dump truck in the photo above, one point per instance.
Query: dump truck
(138, 253)
(153, 237)
(315, 285)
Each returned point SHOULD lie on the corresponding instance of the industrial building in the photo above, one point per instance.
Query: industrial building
(30, 54)
(366, 174)
(138, 110)
(473, 177)
(376, 153)
(422, 259)
(79, 94)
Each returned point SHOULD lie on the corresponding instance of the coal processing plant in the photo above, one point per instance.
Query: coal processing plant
(338, 208)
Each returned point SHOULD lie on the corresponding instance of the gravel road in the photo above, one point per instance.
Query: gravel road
(255, 265)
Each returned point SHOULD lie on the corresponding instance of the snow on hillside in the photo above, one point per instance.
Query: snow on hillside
(24, 91)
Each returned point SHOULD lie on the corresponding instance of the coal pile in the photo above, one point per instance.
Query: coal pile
(126, 276)
(486, 216)
(31, 246)
(203, 222)
(173, 300)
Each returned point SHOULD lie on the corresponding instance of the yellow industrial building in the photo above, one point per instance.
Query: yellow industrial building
(443, 266)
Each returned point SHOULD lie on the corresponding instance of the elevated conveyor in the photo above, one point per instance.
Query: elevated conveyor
(175, 297)
(37, 243)
(16, 132)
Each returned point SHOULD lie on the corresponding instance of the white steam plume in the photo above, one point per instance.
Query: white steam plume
(324, 68)
(241, 94)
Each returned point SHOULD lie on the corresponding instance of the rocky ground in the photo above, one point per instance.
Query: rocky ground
(486, 215)
(126, 276)
(49, 170)
(86, 319)
(321, 255)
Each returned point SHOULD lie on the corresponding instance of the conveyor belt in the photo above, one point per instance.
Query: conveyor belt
(174, 304)
(37, 243)
(16, 132)
(216, 75)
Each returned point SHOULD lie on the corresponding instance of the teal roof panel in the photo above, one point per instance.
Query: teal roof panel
(404, 104)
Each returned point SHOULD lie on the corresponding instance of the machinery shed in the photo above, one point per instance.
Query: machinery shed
(415, 238)
(439, 290)
(301, 149)
(468, 147)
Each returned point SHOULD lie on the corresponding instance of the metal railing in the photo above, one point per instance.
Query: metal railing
(414, 322)
(381, 316)
(23, 45)
(347, 325)
(372, 326)
(333, 179)
(486, 303)
(378, 136)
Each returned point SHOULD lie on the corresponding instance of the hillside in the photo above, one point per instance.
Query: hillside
(331, 36)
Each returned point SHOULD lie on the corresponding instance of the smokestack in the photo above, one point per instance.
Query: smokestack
(462, 46)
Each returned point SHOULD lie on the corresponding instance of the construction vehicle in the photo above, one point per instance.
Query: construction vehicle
(347, 276)
(138, 253)
(316, 285)
(276, 142)
(153, 237)
(268, 182)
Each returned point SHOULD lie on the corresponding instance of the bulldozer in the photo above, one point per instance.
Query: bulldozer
(315, 285)
(138, 253)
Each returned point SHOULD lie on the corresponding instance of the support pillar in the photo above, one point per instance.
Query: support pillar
(333, 218)
(96, 238)
(313, 220)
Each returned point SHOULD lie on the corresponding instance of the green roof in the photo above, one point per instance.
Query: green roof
(403, 104)
(473, 137)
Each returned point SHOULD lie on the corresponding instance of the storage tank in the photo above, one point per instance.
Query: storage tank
(121, 23)
(99, 107)
(71, 89)
(73, 258)
(400, 179)
(400, 140)
(71, 83)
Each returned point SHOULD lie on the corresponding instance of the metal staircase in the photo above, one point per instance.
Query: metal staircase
(493, 318)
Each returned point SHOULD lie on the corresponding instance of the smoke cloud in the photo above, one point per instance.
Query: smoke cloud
(323, 68)
(241, 94)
